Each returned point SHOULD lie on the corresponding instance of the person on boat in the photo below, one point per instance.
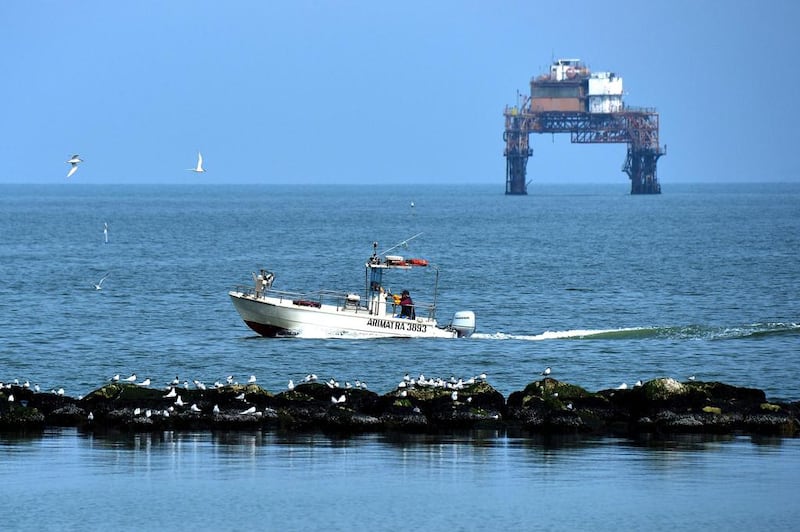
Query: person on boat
(406, 306)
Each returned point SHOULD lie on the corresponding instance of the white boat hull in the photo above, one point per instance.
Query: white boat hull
(278, 316)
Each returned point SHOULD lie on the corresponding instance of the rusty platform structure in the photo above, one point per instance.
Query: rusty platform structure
(590, 109)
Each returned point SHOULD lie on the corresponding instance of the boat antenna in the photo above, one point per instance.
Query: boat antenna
(402, 243)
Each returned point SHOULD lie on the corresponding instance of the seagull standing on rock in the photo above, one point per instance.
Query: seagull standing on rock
(546, 371)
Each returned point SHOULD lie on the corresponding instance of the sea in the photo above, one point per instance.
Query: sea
(603, 287)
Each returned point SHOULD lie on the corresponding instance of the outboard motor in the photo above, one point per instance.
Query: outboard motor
(464, 323)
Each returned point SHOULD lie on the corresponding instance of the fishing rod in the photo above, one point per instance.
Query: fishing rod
(402, 243)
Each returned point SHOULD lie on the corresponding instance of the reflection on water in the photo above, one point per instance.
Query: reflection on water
(463, 481)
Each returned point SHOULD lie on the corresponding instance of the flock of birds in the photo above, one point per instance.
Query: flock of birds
(26, 385)
(453, 384)
(75, 160)
(172, 393)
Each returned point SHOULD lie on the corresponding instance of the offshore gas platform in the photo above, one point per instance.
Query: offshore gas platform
(588, 106)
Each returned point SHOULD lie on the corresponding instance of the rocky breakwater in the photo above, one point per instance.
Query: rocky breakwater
(547, 406)
(661, 406)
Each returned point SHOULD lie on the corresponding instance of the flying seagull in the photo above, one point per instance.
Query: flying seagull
(74, 160)
(199, 169)
(99, 284)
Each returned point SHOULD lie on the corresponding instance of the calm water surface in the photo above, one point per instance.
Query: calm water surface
(602, 286)
(234, 481)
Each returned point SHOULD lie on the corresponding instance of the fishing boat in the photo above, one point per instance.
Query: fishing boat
(324, 313)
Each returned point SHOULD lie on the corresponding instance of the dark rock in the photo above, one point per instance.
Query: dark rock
(69, 415)
(547, 407)
(17, 417)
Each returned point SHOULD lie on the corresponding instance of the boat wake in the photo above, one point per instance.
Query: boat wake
(686, 332)
(558, 335)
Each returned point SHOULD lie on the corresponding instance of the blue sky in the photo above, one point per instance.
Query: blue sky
(383, 92)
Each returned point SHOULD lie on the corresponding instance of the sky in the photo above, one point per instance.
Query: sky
(350, 91)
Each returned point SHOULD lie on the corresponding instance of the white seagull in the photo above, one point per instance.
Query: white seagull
(74, 160)
(145, 382)
(251, 410)
(251, 380)
(216, 409)
(132, 378)
(546, 371)
(194, 408)
(199, 169)
(290, 386)
(172, 393)
(99, 284)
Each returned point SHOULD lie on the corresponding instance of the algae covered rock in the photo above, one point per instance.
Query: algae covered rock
(17, 417)
(443, 404)
(549, 391)
(557, 407)
(662, 405)
(663, 389)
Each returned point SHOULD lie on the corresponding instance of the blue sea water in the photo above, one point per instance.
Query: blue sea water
(602, 286)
